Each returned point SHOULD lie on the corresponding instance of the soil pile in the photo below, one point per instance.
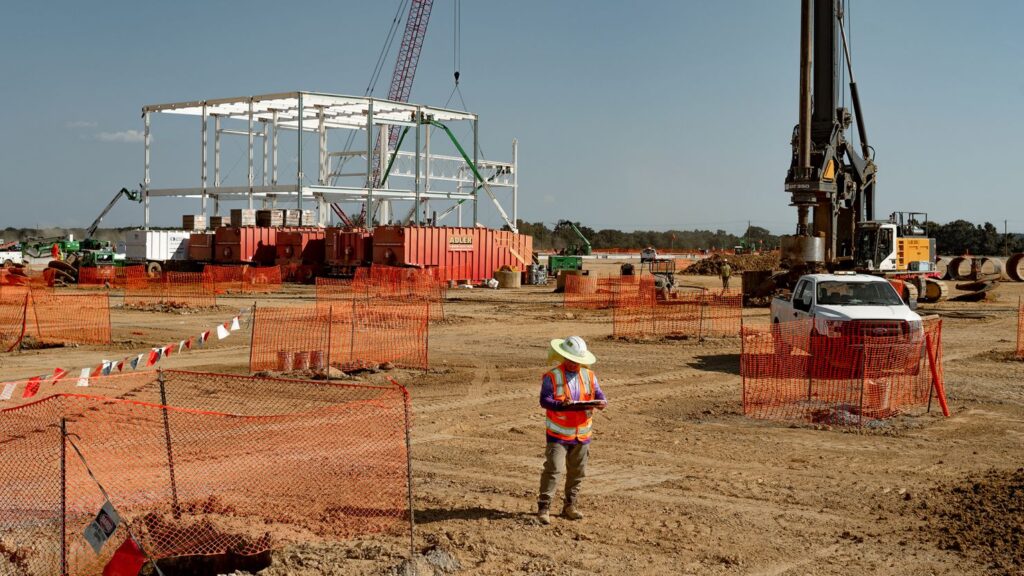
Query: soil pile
(983, 518)
(712, 265)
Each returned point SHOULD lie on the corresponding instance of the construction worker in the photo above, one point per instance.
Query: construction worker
(725, 271)
(568, 423)
(55, 252)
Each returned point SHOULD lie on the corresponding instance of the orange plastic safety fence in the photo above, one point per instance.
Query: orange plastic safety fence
(112, 276)
(649, 313)
(68, 318)
(52, 317)
(230, 465)
(407, 282)
(360, 332)
(592, 292)
(172, 290)
(858, 372)
(1020, 328)
(13, 303)
(332, 292)
(243, 279)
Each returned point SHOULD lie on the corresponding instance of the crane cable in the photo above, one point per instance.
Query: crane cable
(378, 68)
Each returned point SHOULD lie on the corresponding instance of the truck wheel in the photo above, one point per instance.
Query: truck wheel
(153, 269)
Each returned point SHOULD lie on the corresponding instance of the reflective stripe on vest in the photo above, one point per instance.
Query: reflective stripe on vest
(570, 424)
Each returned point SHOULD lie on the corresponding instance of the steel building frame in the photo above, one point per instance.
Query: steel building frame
(416, 176)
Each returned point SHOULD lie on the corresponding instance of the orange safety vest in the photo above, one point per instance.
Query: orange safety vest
(570, 424)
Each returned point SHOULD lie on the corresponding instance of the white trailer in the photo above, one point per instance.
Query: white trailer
(157, 249)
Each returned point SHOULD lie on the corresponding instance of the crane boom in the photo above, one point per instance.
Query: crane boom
(401, 79)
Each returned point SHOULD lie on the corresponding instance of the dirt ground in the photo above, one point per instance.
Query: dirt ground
(679, 481)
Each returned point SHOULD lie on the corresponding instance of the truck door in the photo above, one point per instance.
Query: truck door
(803, 299)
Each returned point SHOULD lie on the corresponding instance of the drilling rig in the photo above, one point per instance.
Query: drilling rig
(832, 183)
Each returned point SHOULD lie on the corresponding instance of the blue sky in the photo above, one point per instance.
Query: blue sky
(634, 115)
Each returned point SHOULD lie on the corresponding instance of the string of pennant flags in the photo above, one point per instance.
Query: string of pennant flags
(137, 362)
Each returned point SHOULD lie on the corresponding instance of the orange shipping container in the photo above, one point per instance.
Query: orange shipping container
(246, 244)
(200, 246)
(459, 253)
(347, 247)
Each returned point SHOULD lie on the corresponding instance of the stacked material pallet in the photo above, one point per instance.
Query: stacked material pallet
(243, 217)
(193, 222)
(269, 218)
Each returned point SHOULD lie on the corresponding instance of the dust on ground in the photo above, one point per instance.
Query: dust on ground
(679, 481)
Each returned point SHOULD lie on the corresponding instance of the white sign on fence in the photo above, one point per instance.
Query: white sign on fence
(102, 528)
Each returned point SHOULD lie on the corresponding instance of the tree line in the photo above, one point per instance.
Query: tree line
(953, 238)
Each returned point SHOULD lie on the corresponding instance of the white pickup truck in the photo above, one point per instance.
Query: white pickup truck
(847, 304)
(10, 257)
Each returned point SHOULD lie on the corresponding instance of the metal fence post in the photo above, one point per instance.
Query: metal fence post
(330, 340)
(352, 338)
(406, 400)
(252, 335)
(175, 508)
(63, 497)
(863, 380)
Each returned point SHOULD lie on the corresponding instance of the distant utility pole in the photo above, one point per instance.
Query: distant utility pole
(1006, 240)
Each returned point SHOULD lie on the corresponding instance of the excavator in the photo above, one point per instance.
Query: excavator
(832, 183)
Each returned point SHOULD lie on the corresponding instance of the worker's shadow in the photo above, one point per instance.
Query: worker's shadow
(725, 363)
(430, 515)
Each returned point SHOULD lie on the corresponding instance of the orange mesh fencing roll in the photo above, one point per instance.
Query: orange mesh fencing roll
(860, 371)
(581, 292)
(230, 465)
(172, 290)
(68, 318)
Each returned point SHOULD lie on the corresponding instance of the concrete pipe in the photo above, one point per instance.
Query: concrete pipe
(959, 268)
(990, 267)
(1015, 267)
(942, 267)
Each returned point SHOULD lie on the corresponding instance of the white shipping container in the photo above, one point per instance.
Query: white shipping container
(156, 245)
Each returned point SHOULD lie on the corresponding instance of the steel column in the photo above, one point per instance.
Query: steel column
(417, 183)
(251, 174)
(273, 150)
(145, 172)
(476, 183)
(369, 165)
(205, 154)
(515, 181)
(216, 164)
(266, 143)
(298, 135)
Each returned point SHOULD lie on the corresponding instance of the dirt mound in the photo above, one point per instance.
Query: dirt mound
(712, 265)
(982, 518)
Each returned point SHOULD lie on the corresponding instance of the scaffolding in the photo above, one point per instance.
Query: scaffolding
(418, 177)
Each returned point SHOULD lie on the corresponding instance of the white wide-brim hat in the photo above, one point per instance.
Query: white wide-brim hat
(573, 348)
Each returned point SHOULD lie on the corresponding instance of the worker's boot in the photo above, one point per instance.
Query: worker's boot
(544, 514)
(570, 511)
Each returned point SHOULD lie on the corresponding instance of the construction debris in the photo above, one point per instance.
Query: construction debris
(712, 265)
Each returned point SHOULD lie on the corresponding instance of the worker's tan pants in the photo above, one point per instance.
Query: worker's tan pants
(725, 282)
(561, 459)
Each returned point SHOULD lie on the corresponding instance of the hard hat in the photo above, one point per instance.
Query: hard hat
(572, 348)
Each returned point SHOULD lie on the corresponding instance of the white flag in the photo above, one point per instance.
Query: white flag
(83, 379)
(181, 346)
(222, 332)
(234, 324)
(8, 391)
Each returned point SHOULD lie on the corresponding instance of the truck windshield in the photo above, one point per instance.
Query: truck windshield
(857, 294)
